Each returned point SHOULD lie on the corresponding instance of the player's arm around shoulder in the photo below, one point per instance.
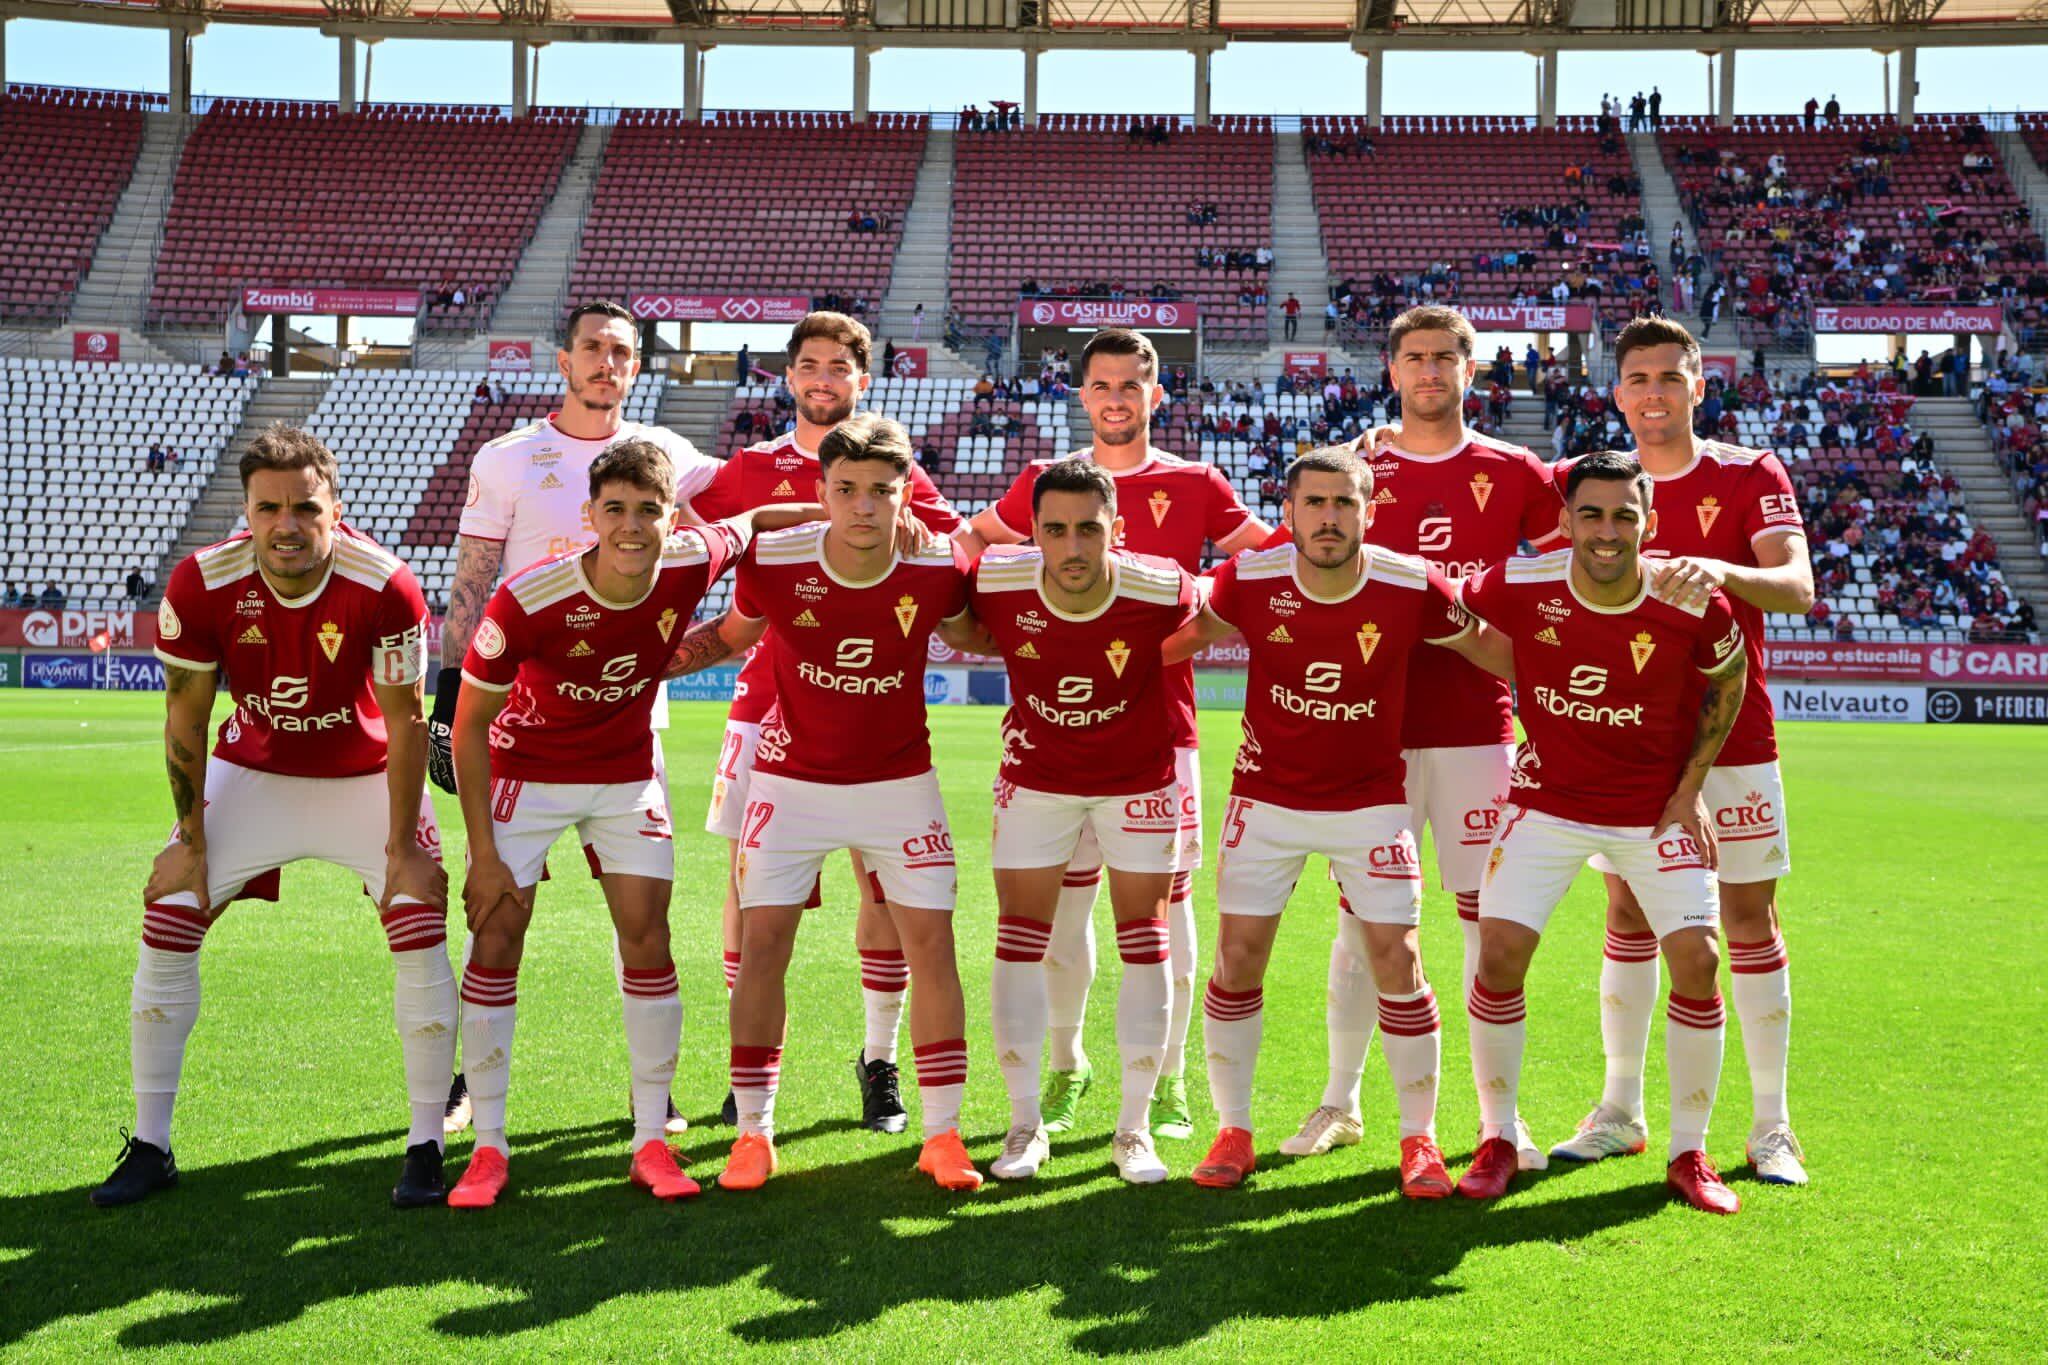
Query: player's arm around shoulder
(1720, 656)
(712, 642)
(1210, 596)
(1446, 624)
(188, 706)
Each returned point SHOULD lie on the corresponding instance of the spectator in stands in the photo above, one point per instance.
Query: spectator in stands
(984, 390)
(1812, 110)
(482, 393)
(1005, 114)
(226, 366)
(1656, 108)
(154, 461)
(917, 322)
(888, 357)
(1262, 259)
(12, 597)
(52, 598)
(1832, 111)
(928, 457)
(137, 585)
(1636, 109)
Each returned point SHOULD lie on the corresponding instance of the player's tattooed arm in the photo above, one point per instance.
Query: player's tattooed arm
(476, 573)
(1718, 709)
(965, 632)
(1206, 629)
(712, 642)
(188, 705)
(1781, 579)
(777, 515)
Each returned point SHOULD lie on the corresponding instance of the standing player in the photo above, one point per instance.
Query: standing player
(844, 761)
(322, 638)
(828, 371)
(1728, 519)
(553, 732)
(1460, 501)
(527, 501)
(1176, 507)
(1087, 744)
(1331, 624)
(1627, 700)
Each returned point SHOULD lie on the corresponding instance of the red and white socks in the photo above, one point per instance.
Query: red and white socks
(1143, 1014)
(1628, 998)
(653, 1013)
(1232, 1023)
(1411, 1034)
(1018, 993)
(756, 1072)
(490, 1007)
(1180, 943)
(1496, 1024)
(732, 970)
(1070, 966)
(1350, 1009)
(884, 980)
(941, 1082)
(1761, 982)
(1694, 1033)
(163, 1006)
(423, 1007)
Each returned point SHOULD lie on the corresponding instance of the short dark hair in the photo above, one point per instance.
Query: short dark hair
(1646, 332)
(1432, 317)
(1607, 466)
(1331, 460)
(1120, 341)
(838, 328)
(1074, 476)
(284, 446)
(866, 436)
(598, 308)
(637, 461)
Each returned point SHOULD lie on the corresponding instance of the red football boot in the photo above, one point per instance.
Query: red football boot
(1492, 1170)
(482, 1182)
(1699, 1184)
(654, 1169)
(1230, 1160)
(1422, 1169)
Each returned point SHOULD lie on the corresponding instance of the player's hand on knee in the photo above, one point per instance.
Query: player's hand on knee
(179, 868)
(486, 889)
(413, 874)
(1689, 813)
(441, 730)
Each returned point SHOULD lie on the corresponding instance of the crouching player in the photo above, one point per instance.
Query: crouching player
(552, 730)
(1626, 700)
(322, 638)
(1331, 624)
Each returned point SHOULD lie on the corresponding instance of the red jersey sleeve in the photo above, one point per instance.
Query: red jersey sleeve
(1485, 596)
(1442, 618)
(723, 541)
(1276, 537)
(957, 584)
(1223, 591)
(185, 636)
(747, 598)
(500, 643)
(929, 505)
(1013, 510)
(1720, 638)
(1540, 505)
(1227, 514)
(720, 498)
(1190, 601)
(400, 658)
(1771, 507)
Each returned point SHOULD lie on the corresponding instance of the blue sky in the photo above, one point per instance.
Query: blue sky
(1248, 78)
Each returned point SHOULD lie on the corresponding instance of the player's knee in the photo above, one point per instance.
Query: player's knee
(1694, 957)
(1239, 966)
(1623, 914)
(1749, 911)
(1503, 961)
(1396, 959)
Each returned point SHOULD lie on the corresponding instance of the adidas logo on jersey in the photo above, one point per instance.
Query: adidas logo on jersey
(1279, 636)
(581, 650)
(805, 618)
(783, 490)
(551, 481)
(1548, 636)
(252, 636)
(1027, 650)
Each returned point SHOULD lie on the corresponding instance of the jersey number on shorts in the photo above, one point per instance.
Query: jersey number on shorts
(756, 820)
(505, 798)
(1233, 821)
(729, 757)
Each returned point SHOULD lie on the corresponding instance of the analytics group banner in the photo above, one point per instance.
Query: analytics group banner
(1527, 317)
(1913, 320)
(1907, 661)
(352, 303)
(718, 307)
(1143, 314)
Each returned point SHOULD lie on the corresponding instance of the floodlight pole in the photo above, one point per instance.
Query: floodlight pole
(1031, 87)
(1724, 107)
(1546, 88)
(181, 68)
(520, 47)
(1201, 87)
(1375, 87)
(862, 56)
(347, 101)
(693, 81)
(1909, 84)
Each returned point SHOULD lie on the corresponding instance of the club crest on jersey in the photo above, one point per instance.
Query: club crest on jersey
(1548, 636)
(806, 617)
(551, 481)
(330, 640)
(666, 624)
(783, 490)
(1641, 648)
(811, 590)
(581, 650)
(1279, 636)
(1482, 489)
(1160, 504)
(1118, 655)
(1027, 650)
(252, 636)
(584, 617)
(1709, 511)
(1030, 622)
(489, 641)
(906, 613)
(1368, 640)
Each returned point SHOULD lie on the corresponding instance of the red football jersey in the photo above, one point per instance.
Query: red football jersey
(300, 669)
(1610, 695)
(1460, 511)
(783, 471)
(1328, 686)
(1088, 713)
(850, 659)
(583, 671)
(1171, 508)
(1719, 507)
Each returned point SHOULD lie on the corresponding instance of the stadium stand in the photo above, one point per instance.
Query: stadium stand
(2015, 415)
(76, 150)
(83, 507)
(1475, 210)
(749, 202)
(1092, 205)
(1854, 213)
(439, 198)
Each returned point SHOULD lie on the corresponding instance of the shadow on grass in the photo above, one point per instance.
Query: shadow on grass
(261, 1242)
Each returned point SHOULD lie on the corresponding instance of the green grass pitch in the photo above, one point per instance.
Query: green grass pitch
(1915, 920)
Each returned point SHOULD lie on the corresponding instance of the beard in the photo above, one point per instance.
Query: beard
(824, 414)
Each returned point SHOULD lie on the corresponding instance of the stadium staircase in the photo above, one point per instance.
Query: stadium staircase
(113, 291)
(214, 516)
(918, 274)
(697, 412)
(1965, 451)
(1299, 266)
(1661, 208)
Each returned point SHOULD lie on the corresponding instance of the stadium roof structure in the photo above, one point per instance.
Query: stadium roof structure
(1366, 25)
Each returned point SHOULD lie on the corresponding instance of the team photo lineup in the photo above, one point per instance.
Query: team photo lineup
(1533, 667)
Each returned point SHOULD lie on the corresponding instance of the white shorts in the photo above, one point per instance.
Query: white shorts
(1187, 774)
(1372, 854)
(257, 822)
(1458, 793)
(731, 779)
(1535, 857)
(898, 828)
(1139, 833)
(1747, 802)
(624, 826)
